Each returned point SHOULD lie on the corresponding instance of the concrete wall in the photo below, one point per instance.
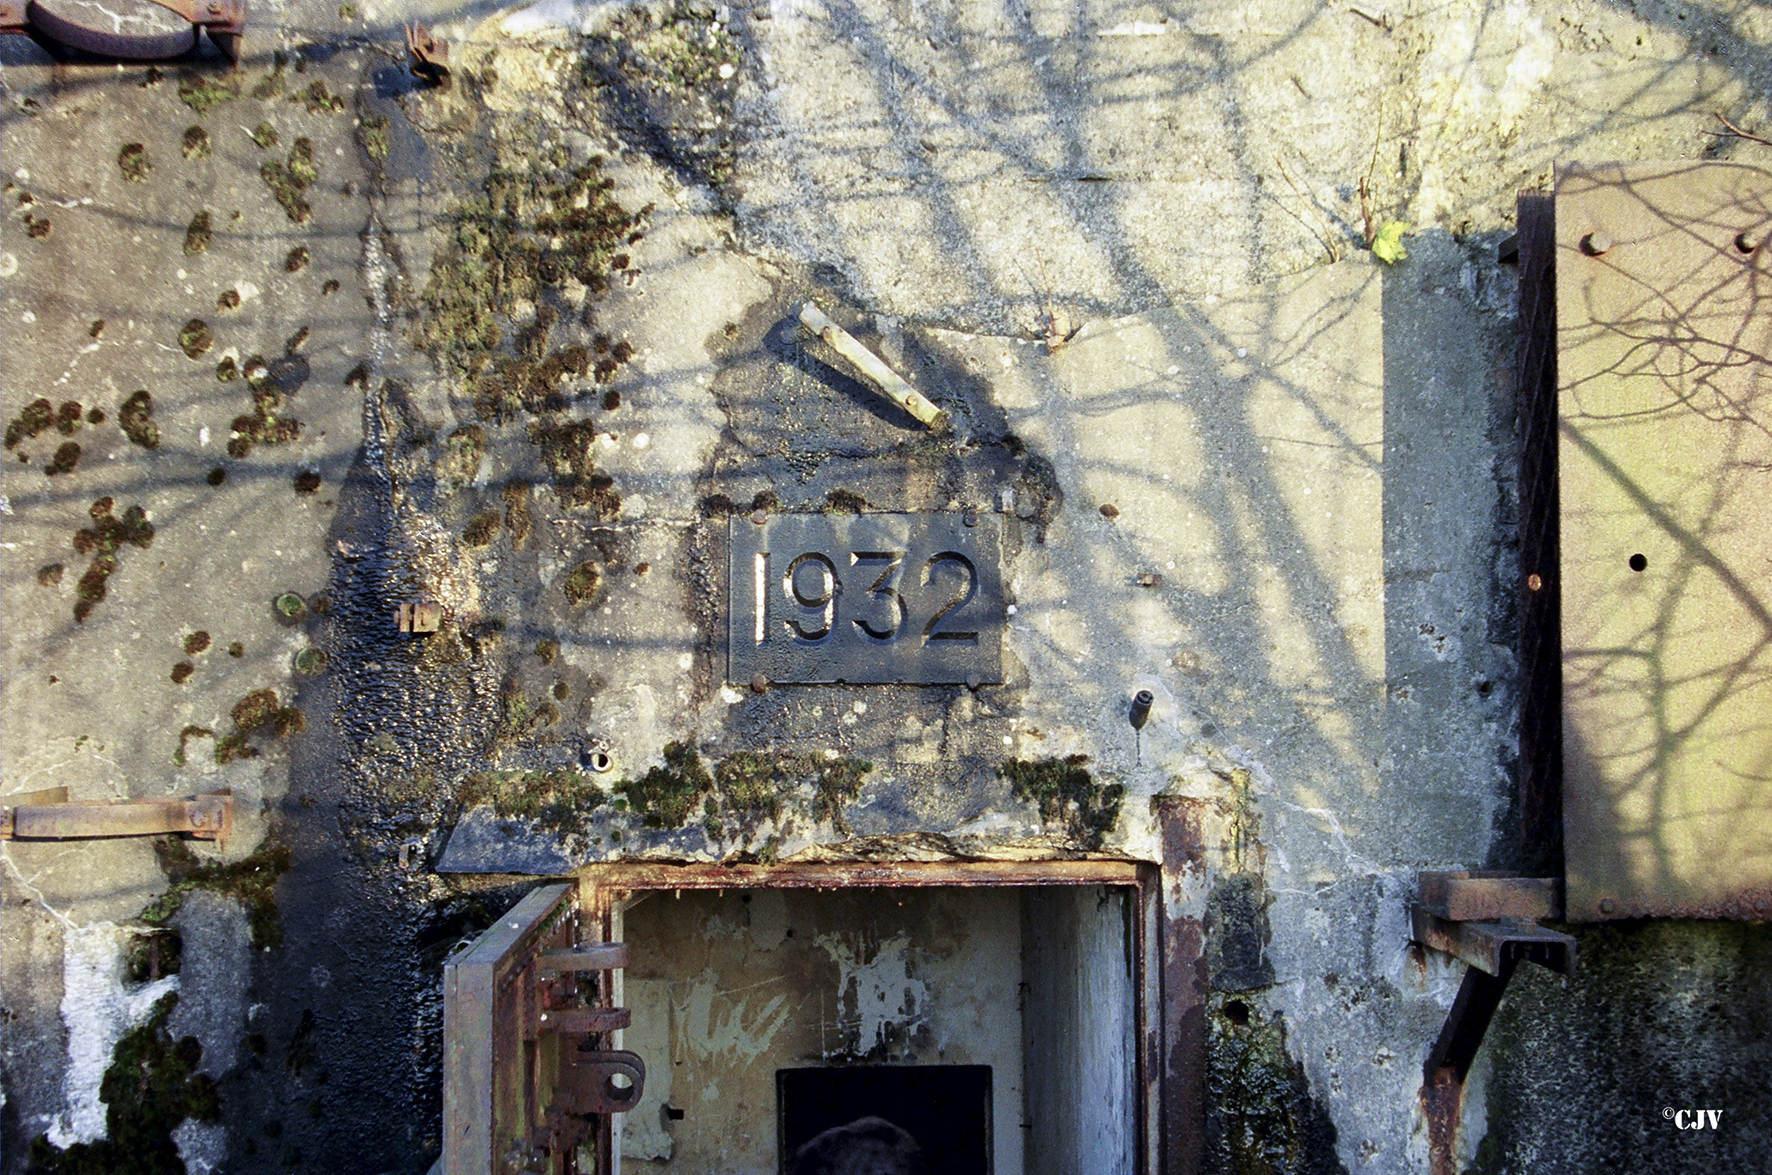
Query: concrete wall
(1080, 1032)
(1122, 243)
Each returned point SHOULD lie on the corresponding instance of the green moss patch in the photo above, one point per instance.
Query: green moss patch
(566, 450)
(132, 161)
(373, 134)
(184, 737)
(526, 234)
(67, 455)
(319, 100)
(196, 143)
(195, 338)
(581, 583)
(135, 416)
(151, 1086)
(666, 796)
(36, 417)
(104, 540)
(205, 93)
(462, 454)
(269, 424)
(289, 179)
(265, 135)
(258, 715)
(67, 418)
(252, 881)
(482, 529)
(517, 520)
(1068, 795)
(558, 800)
(198, 234)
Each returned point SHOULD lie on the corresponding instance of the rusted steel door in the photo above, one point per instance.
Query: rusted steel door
(1664, 356)
(525, 1011)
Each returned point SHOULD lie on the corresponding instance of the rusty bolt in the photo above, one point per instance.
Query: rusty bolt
(759, 683)
(1149, 579)
(759, 516)
(970, 517)
(1607, 905)
(974, 681)
(1596, 243)
(1747, 242)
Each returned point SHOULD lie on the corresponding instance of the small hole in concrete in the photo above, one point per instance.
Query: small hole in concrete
(1638, 563)
(601, 762)
(1237, 1012)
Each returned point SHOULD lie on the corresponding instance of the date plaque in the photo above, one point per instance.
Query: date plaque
(866, 599)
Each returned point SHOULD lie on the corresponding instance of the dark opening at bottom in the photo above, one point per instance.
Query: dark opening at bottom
(946, 1108)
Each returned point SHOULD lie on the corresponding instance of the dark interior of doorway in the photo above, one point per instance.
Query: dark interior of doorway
(946, 1108)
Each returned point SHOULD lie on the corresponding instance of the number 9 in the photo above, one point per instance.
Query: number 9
(822, 598)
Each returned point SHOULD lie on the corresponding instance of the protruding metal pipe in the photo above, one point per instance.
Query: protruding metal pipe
(1141, 709)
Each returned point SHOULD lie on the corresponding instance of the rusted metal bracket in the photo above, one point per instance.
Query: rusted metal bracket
(1469, 895)
(1491, 947)
(430, 56)
(223, 20)
(49, 815)
(422, 616)
(600, 1081)
(1485, 919)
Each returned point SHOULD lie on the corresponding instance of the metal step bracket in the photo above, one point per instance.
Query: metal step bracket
(1488, 920)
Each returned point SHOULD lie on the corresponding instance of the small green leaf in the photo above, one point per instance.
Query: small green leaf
(1388, 245)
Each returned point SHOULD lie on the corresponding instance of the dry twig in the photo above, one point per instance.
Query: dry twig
(1736, 132)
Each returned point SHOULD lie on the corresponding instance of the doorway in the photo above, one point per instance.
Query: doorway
(994, 1010)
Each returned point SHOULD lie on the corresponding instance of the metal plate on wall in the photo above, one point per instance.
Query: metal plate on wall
(1664, 353)
(866, 598)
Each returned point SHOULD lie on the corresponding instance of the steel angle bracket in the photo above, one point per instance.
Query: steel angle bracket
(1492, 948)
(223, 20)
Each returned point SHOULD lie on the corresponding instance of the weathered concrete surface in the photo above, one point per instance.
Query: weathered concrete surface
(957, 184)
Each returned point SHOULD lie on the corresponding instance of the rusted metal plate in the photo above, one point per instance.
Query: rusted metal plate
(1664, 361)
(866, 598)
(207, 817)
(1470, 895)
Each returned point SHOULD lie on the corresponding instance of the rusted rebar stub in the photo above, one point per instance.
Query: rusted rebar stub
(223, 20)
(430, 56)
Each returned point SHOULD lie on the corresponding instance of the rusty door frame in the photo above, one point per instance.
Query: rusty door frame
(604, 888)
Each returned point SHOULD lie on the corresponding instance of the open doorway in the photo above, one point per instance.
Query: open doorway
(996, 1011)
